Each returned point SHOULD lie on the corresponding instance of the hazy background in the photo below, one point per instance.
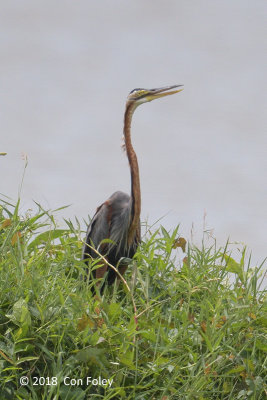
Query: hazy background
(66, 69)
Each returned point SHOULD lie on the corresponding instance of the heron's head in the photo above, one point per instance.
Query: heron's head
(140, 96)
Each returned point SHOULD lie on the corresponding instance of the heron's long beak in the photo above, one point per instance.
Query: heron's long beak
(161, 92)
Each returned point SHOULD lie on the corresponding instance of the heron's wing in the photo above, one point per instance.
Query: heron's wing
(111, 221)
(98, 230)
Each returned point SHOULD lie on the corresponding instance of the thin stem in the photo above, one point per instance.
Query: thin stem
(120, 276)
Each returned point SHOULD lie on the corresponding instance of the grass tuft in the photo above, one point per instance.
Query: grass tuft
(197, 329)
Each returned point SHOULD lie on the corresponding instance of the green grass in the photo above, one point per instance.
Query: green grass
(201, 323)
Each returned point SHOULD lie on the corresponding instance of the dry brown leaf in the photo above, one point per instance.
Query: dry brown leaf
(15, 238)
(7, 222)
(191, 317)
(85, 321)
(203, 326)
(252, 316)
(180, 242)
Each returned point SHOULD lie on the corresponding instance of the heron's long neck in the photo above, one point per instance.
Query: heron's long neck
(135, 181)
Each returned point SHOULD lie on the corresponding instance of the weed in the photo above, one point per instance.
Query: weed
(197, 329)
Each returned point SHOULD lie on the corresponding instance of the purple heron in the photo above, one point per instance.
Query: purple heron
(118, 218)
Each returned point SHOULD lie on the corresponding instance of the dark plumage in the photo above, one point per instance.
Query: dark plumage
(112, 220)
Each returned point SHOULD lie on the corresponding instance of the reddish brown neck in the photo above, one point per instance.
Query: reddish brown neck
(135, 181)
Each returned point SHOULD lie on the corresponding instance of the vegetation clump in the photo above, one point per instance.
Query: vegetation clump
(191, 329)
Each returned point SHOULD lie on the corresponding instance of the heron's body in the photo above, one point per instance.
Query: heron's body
(112, 221)
(118, 218)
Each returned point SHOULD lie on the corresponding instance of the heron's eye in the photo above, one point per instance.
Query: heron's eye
(137, 91)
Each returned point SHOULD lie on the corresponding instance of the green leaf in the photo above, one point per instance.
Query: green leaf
(32, 220)
(261, 346)
(208, 342)
(219, 339)
(261, 321)
(114, 311)
(47, 236)
(150, 335)
(20, 315)
(71, 393)
(236, 370)
(234, 267)
(93, 355)
(26, 359)
(127, 359)
(164, 232)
